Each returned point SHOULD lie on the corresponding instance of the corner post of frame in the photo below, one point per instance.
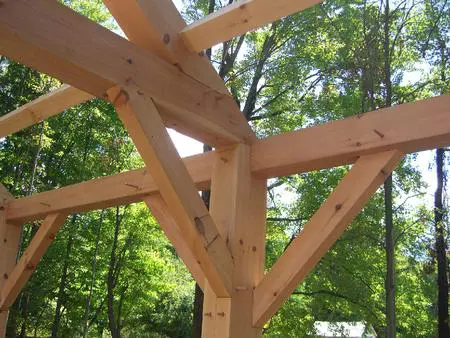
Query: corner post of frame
(9, 245)
(238, 206)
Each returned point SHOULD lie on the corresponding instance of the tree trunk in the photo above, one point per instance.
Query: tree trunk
(390, 260)
(197, 319)
(198, 313)
(111, 280)
(442, 280)
(94, 271)
(63, 281)
(389, 239)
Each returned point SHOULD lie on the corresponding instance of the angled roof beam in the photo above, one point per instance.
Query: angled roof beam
(155, 25)
(94, 59)
(320, 233)
(238, 18)
(42, 108)
(409, 127)
(141, 118)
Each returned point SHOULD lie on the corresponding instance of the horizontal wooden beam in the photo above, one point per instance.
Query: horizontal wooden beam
(320, 233)
(410, 127)
(159, 209)
(155, 26)
(41, 109)
(30, 259)
(88, 56)
(141, 118)
(238, 18)
(104, 192)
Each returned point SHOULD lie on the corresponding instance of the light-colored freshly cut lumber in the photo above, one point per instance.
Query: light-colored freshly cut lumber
(30, 259)
(9, 245)
(410, 127)
(161, 212)
(238, 205)
(124, 188)
(238, 18)
(322, 230)
(41, 109)
(142, 120)
(155, 25)
(89, 57)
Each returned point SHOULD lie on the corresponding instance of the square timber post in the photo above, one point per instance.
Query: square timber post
(9, 245)
(238, 206)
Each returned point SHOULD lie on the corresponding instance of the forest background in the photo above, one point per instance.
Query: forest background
(112, 272)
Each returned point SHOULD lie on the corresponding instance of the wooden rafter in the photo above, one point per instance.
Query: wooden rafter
(142, 120)
(410, 127)
(161, 212)
(237, 19)
(155, 25)
(322, 230)
(26, 265)
(41, 109)
(30, 34)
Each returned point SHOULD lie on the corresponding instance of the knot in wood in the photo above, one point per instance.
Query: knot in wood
(166, 38)
(30, 266)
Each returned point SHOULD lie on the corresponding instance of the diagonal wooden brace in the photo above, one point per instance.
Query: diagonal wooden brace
(144, 124)
(320, 233)
(161, 212)
(26, 265)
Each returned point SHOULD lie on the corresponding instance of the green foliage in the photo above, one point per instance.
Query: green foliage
(325, 63)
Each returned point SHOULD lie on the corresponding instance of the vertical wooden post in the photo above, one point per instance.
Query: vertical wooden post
(9, 244)
(238, 206)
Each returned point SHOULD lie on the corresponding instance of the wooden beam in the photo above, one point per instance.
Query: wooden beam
(410, 127)
(238, 205)
(161, 212)
(124, 188)
(41, 109)
(142, 120)
(324, 146)
(155, 25)
(322, 230)
(238, 18)
(30, 34)
(9, 245)
(26, 265)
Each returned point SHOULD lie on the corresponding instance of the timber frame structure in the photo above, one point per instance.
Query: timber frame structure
(159, 78)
